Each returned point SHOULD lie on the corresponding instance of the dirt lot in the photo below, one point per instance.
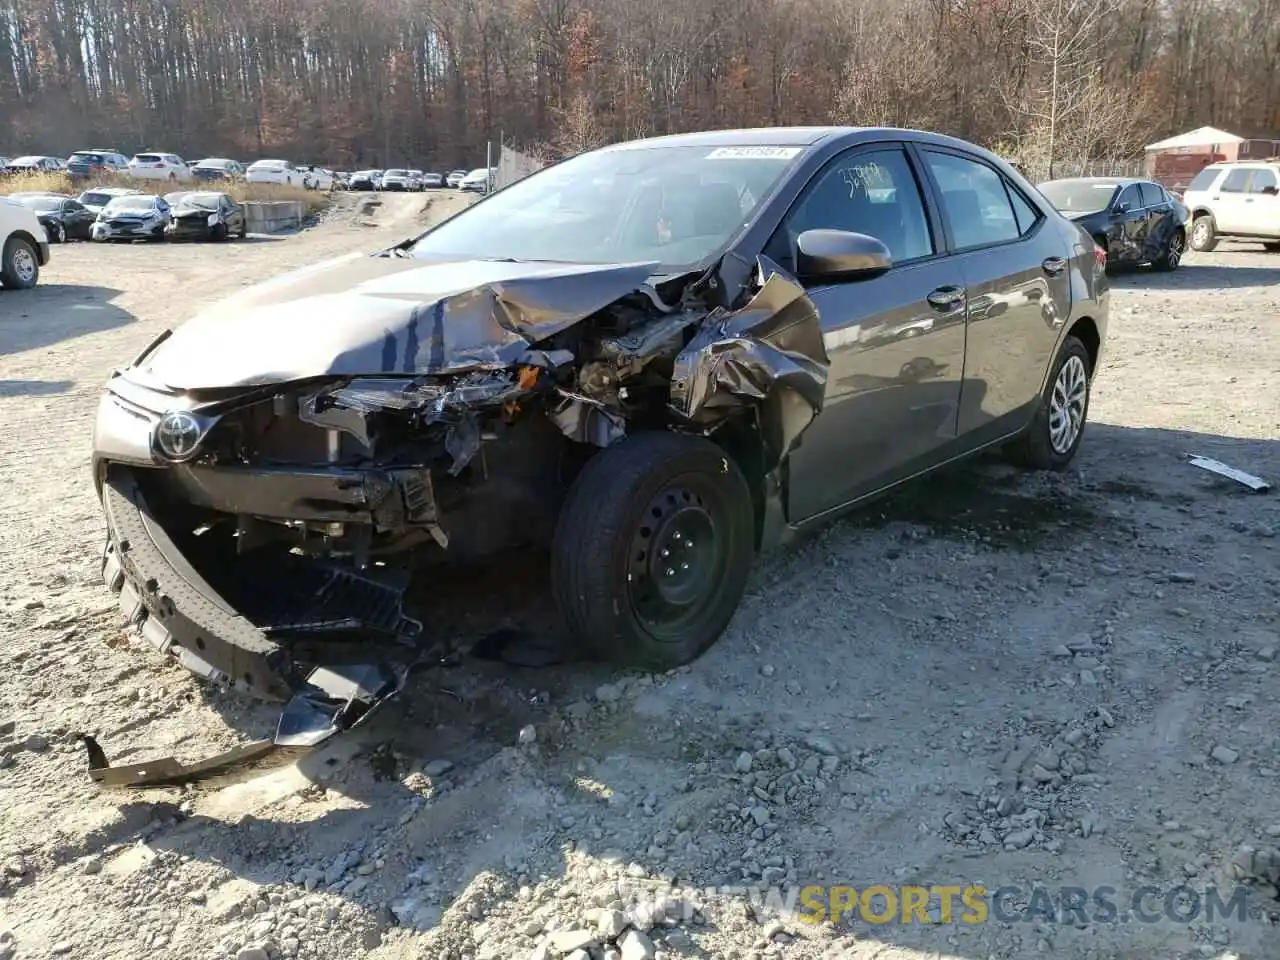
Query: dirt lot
(993, 679)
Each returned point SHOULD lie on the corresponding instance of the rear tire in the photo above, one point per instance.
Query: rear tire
(1063, 405)
(19, 265)
(652, 549)
(1204, 233)
(1271, 247)
(58, 234)
(1171, 256)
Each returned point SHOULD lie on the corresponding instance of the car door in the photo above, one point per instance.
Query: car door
(1227, 202)
(231, 215)
(1016, 269)
(1161, 220)
(1130, 224)
(76, 218)
(1262, 204)
(895, 342)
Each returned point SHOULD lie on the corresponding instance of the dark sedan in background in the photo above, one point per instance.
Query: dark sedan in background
(63, 218)
(649, 360)
(1134, 221)
(200, 215)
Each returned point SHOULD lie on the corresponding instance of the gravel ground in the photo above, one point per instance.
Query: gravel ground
(995, 678)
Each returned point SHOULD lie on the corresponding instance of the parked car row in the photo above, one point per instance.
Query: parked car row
(409, 180)
(118, 214)
(103, 163)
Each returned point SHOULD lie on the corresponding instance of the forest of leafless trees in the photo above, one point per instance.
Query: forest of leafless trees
(380, 82)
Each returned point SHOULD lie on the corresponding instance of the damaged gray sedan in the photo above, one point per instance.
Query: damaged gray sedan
(653, 359)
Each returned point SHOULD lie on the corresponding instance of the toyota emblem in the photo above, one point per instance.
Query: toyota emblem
(178, 434)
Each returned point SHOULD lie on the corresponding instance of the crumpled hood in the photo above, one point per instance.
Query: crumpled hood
(367, 315)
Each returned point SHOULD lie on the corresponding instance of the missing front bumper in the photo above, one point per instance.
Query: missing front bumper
(306, 614)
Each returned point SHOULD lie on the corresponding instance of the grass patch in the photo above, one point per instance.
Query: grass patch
(315, 200)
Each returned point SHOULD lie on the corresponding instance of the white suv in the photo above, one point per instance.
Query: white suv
(1239, 200)
(24, 246)
(159, 166)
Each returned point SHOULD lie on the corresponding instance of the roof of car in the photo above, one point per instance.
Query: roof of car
(805, 137)
(1100, 180)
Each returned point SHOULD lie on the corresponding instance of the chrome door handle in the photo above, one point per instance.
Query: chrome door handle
(946, 298)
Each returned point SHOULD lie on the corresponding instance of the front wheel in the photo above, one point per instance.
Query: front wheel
(19, 265)
(1204, 233)
(218, 232)
(1171, 256)
(652, 549)
(1057, 428)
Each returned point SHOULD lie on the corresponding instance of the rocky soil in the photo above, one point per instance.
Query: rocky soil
(994, 678)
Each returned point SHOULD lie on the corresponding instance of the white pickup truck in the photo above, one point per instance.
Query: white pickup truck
(24, 246)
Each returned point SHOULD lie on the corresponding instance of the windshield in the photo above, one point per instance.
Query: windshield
(199, 201)
(213, 164)
(25, 161)
(131, 205)
(397, 173)
(675, 205)
(269, 165)
(42, 204)
(88, 157)
(1079, 196)
(96, 199)
(149, 158)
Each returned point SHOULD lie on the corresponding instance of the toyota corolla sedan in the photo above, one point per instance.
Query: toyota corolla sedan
(651, 360)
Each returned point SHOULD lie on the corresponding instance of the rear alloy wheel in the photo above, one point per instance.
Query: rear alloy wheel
(652, 549)
(1171, 257)
(19, 265)
(58, 234)
(1057, 428)
(1204, 233)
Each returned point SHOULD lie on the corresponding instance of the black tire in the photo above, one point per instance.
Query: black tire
(622, 510)
(218, 232)
(58, 234)
(19, 265)
(1204, 233)
(244, 229)
(1271, 247)
(1035, 448)
(1171, 257)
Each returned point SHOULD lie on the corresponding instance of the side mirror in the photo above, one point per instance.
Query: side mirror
(1271, 191)
(1122, 208)
(839, 255)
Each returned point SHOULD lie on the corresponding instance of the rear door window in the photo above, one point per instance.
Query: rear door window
(1261, 179)
(975, 203)
(1152, 195)
(1237, 180)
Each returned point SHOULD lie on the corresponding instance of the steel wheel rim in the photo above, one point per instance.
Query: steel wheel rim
(1174, 256)
(24, 264)
(1067, 404)
(677, 556)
